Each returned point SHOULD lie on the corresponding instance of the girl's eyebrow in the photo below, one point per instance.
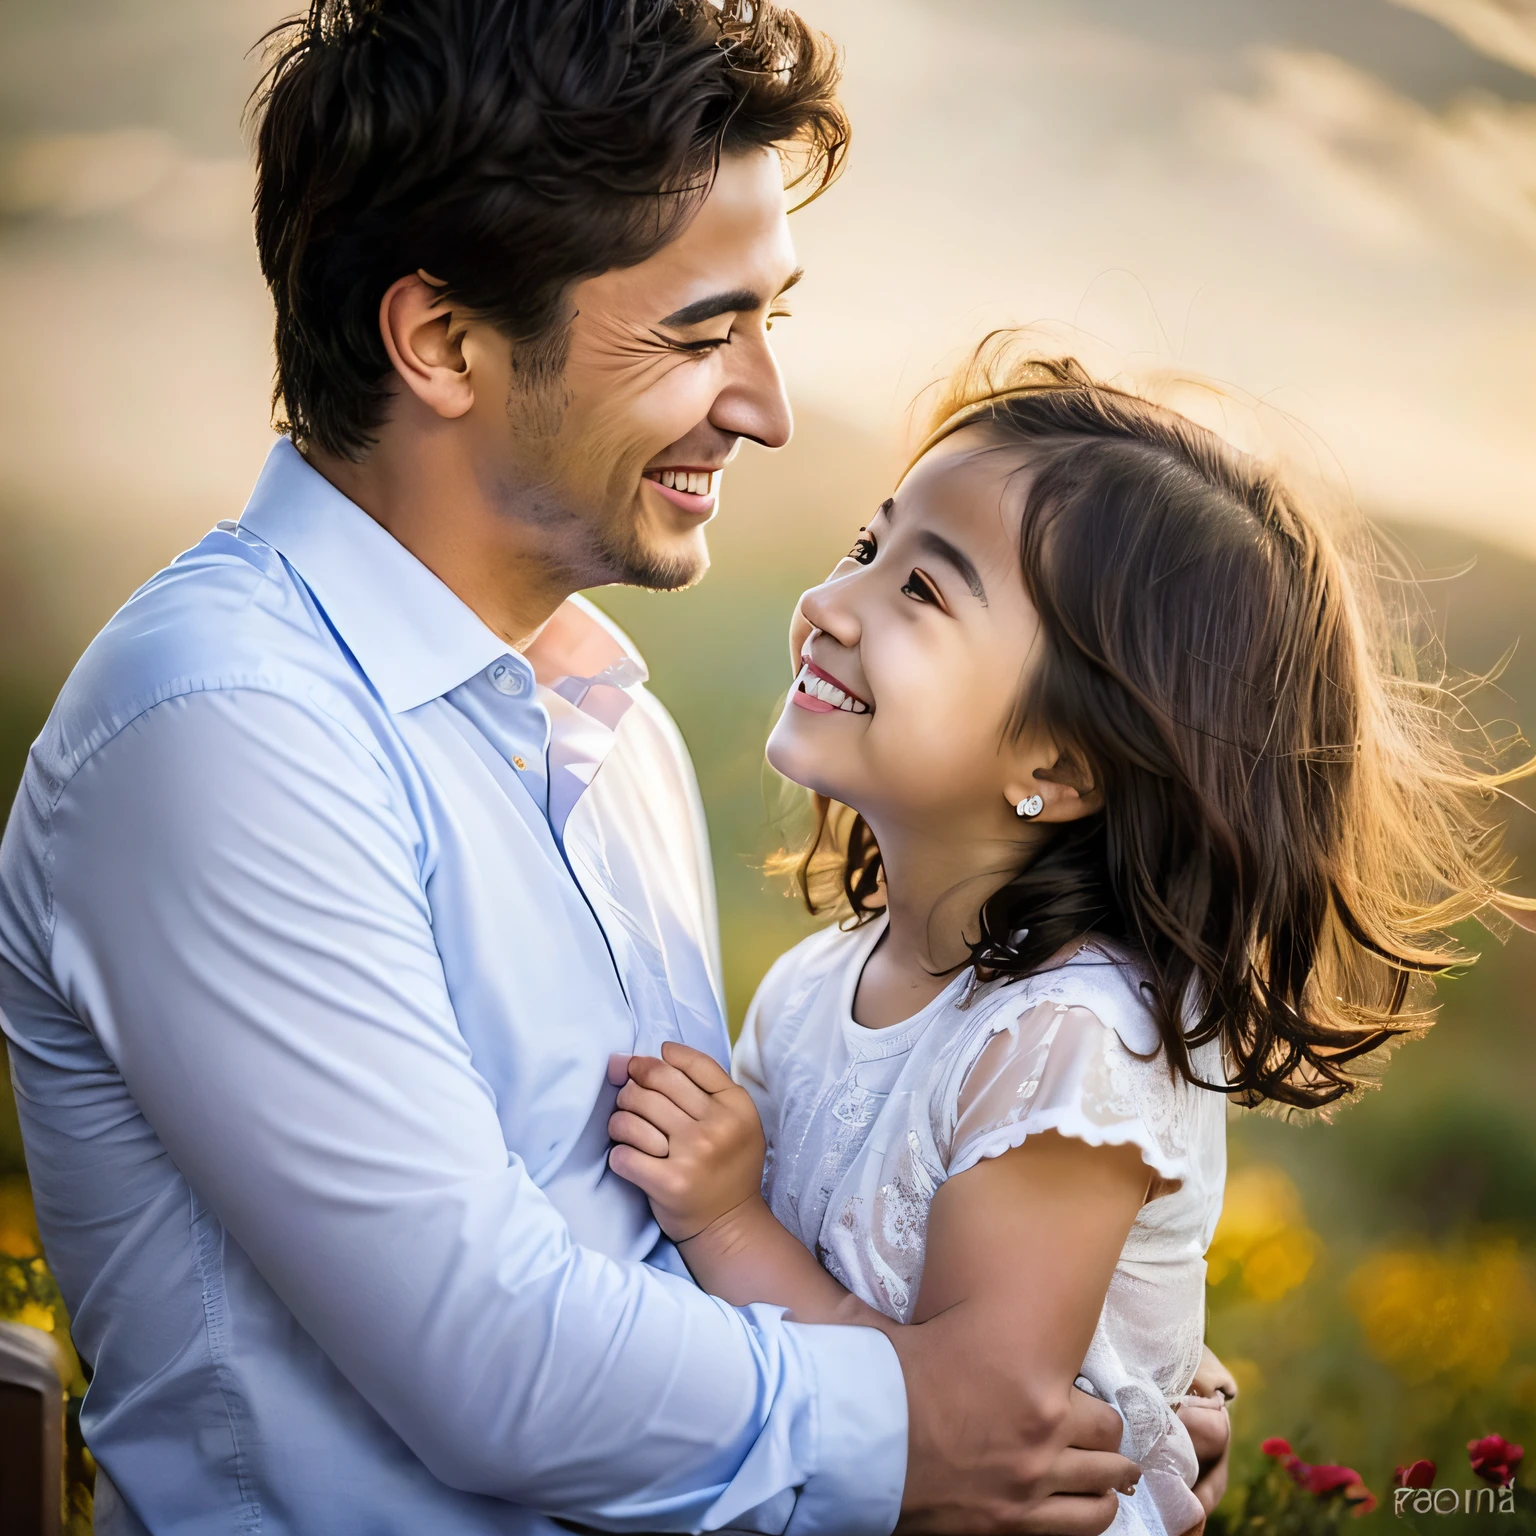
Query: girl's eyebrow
(940, 547)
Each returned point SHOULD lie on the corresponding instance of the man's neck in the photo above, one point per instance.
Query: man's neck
(425, 495)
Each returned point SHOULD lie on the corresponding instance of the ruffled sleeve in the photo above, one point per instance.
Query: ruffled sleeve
(1057, 1066)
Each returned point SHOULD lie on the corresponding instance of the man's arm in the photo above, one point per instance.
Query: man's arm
(239, 915)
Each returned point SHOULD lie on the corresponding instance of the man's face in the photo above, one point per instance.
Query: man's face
(668, 367)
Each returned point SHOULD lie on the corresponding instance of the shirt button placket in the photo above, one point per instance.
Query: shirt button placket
(507, 679)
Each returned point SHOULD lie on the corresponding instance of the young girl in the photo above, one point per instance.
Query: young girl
(1130, 817)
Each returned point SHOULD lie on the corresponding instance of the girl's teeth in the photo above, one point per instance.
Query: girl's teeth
(820, 688)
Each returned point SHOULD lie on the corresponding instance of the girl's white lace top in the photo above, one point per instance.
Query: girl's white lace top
(864, 1125)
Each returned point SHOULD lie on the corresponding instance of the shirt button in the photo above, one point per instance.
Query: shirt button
(505, 679)
(519, 763)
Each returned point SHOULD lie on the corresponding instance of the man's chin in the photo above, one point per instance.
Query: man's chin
(668, 568)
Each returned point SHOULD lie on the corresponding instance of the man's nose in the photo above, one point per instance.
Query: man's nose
(753, 403)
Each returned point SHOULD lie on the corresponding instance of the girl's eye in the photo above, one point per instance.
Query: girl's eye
(863, 548)
(921, 589)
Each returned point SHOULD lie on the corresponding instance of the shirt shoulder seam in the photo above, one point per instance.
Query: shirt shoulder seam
(183, 688)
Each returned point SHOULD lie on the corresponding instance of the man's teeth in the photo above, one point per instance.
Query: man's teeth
(830, 693)
(695, 482)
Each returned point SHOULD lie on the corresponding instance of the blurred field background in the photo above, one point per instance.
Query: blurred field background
(1328, 208)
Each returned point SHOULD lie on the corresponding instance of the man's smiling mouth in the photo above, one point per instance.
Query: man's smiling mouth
(690, 487)
(821, 693)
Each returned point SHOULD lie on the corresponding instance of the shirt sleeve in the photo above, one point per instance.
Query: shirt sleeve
(1059, 1067)
(747, 1064)
(239, 914)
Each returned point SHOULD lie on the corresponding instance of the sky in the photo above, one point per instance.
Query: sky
(1328, 210)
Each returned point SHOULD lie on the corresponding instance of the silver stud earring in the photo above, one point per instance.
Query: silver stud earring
(1031, 805)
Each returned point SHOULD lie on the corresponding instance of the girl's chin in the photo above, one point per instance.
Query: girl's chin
(800, 761)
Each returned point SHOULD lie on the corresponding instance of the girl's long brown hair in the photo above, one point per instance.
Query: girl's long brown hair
(1288, 829)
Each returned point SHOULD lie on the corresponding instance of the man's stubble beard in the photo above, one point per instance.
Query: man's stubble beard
(609, 551)
(625, 554)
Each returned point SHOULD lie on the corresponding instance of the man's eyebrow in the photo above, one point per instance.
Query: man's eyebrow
(937, 545)
(736, 301)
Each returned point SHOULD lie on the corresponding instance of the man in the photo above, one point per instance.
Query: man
(354, 848)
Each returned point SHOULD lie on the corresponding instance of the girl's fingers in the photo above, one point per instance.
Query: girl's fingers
(661, 1078)
(1209, 1428)
(633, 1131)
(1213, 1377)
(660, 1109)
(700, 1068)
(634, 1167)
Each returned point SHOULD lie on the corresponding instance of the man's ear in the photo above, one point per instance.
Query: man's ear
(424, 340)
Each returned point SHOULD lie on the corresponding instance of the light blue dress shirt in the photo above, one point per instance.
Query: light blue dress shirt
(321, 911)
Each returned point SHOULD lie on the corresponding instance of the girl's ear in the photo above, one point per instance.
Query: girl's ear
(1065, 788)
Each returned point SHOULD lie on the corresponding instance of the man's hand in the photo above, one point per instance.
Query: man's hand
(689, 1137)
(985, 1460)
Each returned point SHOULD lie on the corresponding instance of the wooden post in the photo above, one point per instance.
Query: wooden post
(31, 1432)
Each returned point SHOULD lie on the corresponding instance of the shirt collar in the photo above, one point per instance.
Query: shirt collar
(413, 638)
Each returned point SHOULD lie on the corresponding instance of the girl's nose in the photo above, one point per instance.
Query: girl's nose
(826, 608)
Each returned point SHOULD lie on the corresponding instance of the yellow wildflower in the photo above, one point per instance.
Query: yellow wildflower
(1263, 1234)
(35, 1315)
(1427, 1314)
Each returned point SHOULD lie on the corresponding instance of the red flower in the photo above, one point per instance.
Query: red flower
(1495, 1460)
(1328, 1479)
(1324, 1481)
(1417, 1474)
(1361, 1498)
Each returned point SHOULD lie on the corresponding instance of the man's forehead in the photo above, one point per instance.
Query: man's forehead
(738, 240)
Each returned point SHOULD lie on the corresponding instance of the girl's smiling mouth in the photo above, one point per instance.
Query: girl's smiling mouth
(821, 693)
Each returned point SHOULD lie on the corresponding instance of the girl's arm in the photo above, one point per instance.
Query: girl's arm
(1046, 1220)
(1021, 1248)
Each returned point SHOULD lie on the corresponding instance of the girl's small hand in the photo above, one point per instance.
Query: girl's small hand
(689, 1137)
(1213, 1379)
(1204, 1414)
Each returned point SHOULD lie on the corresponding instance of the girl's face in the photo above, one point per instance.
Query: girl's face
(913, 654)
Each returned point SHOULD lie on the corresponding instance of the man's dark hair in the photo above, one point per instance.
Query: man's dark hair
(508, 148)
